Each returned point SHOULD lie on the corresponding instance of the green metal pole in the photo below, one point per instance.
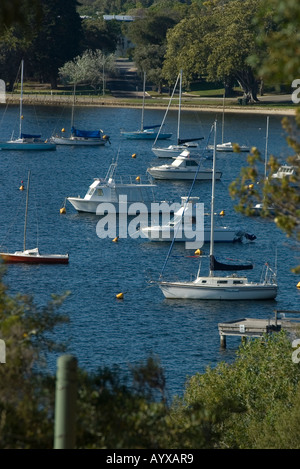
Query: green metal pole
(65, 402)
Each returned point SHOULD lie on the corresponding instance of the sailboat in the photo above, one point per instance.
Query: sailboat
(26, 141)
(80, 137)
(231, 287)
(32, 256)
(229, 146)
(145, 132)
(261, 206)
(182, 144)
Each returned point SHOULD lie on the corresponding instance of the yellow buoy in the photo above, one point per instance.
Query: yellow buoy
(21, 187)
(63, 130)
(115, 240)
(133, 155)
(120, 296)
(250, 186)
(298, 285)
(62, 210)
(138, 178)
(222, 213)
(22, 117)
(198, 252)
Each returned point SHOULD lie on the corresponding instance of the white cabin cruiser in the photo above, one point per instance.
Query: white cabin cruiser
(109, 190)
(183, 168)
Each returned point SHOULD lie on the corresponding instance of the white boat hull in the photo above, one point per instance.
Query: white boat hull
(174, 150)
(78, 141)
(174, 174)
(192, 291)
(221, 235)
(90, 206)
(229, 147)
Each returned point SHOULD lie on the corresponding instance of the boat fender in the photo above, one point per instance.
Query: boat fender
(298, 285)
(120, 296)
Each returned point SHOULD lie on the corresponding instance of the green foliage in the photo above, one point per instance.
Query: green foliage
(249, 396)
(282, 195)
(26, 397)
(87, 68)
(215, 41)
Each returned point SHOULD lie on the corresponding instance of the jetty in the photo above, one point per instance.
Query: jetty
(251, 327)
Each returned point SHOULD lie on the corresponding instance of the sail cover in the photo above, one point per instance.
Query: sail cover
(181, 141)
(215, 265)
(29, 136)
(85, 133)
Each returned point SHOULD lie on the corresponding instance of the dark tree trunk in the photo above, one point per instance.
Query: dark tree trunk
(249, 85)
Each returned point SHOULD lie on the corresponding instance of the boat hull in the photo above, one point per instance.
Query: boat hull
(199, 292)
(183, 175)
(90, 206)
(221, 235)
(78, 141)
(10, 258)
(174, 151)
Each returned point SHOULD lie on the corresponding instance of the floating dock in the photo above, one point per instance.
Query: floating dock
(251, 327)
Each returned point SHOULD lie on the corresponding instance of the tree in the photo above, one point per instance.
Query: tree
(248, 397)
(149, 36)
(87, 68)
(214, 42)
(57, 40)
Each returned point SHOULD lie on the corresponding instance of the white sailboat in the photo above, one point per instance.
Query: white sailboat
(26, 141)
(145, 132)
(32, 256)
(229, 146)
(261, 206)
(80, 137)
(182, 144)
(231, 287)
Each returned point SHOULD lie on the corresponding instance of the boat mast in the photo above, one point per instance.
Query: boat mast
(144, 90)
(26, 210)
(21, 98)
(179, 107)
(211, 250)
(266, 149)
(72, 115)
(223, 116)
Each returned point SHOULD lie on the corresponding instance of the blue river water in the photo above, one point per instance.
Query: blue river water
(104, 331)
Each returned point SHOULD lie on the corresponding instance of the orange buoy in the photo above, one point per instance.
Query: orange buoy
(120, 296)
(133, 155)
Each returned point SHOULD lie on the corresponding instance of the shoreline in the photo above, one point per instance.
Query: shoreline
(55, 100)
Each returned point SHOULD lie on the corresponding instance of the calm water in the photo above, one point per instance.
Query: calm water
(103, 330)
